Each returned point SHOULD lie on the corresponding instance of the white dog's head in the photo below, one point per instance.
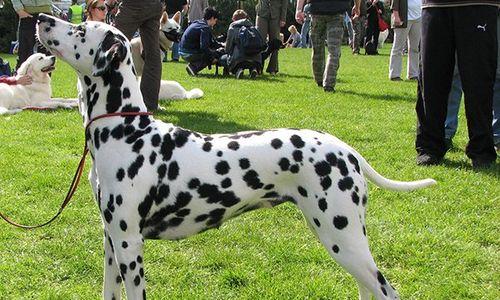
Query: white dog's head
(91, 48)
(38, 66)
(170, 27)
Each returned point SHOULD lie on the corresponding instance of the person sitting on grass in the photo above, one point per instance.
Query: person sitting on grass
(198, 46)
(238, 58)
(294, 38)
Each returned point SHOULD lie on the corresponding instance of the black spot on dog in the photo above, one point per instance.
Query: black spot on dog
(322, 168)
(233, 145)
(297, 141)
(342, 167)
(346, 183)
(138, 146)
(326, 183)
(355, 198)
(207, 146)
(56, 42)
(137, 280)
(162, 171)
(364, 199)
(181, 137)
(87, 80)
(354, 161)
(104, 135)
(123, 225)
(97, 140)
(183, 199)
(222, 167)
(276, 143)
(226, 183)
(302, 191)
(117, 132)
(77, 56)
(108, 216)
(297, 155)
(244, 163)
(91, 52)
(82, 40)
(322, 204)
(219, 153)
(135, 166)
(156, 140)
(132, 265)
(335, 249)
(173, 170)
(331, 158)
(316, 221)
(126, 93)
(120, 174)
(183, 212)
(119, 200)
(152, 157)
(340, 222)
(284, 164)
(252, 179)
(295, 169)
(163, 192)
(167, 147)
(194, 183)
(123, 269)
(124, 245)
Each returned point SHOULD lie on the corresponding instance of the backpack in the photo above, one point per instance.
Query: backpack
(250, 41)
(5, 68)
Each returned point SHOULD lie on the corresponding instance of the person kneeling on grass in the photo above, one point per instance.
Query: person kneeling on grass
(198, 46)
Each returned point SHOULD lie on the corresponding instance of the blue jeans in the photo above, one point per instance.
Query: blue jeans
(305, 41)
(348, 26)
(175, 51)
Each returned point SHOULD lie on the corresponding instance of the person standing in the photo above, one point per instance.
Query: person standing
(196, 10)
(172, 7)
(271, 17)
(358, 27)
(469, 29)
(145, 16)
(305, 41)
(327, 24)
(75, 13)
(28, 11)
(406, 20)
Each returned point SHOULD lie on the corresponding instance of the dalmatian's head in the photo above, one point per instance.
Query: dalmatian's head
(91, 48)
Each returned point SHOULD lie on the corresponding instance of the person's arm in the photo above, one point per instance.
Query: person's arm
(395, 7)
(284, 7)
(229, 40)
(19, 8)
(20, 79)
(299, 13)
(356, 9)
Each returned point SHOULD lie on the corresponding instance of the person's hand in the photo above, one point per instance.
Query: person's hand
(299, 17)
(282, 23)
(397, 19)
(355, 12)
(24, 80)
(23, 14)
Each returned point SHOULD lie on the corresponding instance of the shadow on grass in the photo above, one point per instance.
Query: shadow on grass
(379, 97)
(493, 171)
(199, 121)
(245, 77)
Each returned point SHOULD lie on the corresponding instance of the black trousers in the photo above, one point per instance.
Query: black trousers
(26, 31)
(471, 32)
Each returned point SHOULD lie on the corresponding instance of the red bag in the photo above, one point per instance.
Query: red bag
(382, 25)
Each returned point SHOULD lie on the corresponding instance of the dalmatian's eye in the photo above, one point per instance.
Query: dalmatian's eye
(40, 58)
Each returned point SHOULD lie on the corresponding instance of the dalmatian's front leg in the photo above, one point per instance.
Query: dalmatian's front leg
(112, 277)
(128, 250)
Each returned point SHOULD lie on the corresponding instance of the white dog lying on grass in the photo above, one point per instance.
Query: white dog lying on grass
(14, 98)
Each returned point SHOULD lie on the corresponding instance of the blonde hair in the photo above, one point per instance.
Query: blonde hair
(239, 14)
(292, 29)
(89, 4)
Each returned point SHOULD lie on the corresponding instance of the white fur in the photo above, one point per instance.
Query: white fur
(210, 178)
(14, 98)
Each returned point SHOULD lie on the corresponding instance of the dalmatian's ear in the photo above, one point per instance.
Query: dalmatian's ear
(110, 54)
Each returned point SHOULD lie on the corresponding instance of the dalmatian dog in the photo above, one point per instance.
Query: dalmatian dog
(154, 180)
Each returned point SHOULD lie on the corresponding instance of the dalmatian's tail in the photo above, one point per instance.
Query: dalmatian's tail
(389, 184)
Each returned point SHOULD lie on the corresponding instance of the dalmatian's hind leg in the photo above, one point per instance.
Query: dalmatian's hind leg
(342, 234)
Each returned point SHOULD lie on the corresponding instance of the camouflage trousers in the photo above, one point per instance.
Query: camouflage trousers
(358, 27)
(329, 29)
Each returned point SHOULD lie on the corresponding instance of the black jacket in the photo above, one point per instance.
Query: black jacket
(330, 7)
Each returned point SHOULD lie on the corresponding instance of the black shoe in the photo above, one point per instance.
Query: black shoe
(319, 83)
(239, 73)
(190, 70)
(396, 79)
(479, 163)
(448, 144)
(425, 159)
(253, 73)
(329, 89)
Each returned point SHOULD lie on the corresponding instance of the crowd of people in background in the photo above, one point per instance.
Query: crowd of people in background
(452, 48)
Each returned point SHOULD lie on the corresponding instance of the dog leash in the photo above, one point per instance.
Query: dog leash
(78, 173)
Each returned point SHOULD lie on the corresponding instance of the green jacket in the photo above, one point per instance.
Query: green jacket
(272, 9)
(33, 6)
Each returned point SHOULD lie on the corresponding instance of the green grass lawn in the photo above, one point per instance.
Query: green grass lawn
(438, 243)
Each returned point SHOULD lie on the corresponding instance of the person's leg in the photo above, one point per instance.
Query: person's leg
(413, 47)
(451, 123)
(437, 54)
(274, 33)
(303, 35)
(334, 43)
(127, 20)
(358, 29)
(26, 39)
(396, 59)
(262, 25)
(477, 63)
(496, 94)
(350, 31)
(318, 36)
(151, 77)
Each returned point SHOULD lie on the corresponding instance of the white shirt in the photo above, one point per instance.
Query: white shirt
(414, 9)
